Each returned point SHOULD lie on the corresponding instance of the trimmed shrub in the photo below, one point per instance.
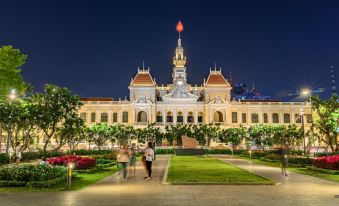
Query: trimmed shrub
(300, 161)
(313, 168)
(4, 159)
(81, 163)
(327, 162)
(223, 151)
(165, 151)
(31, 175)
(321, 154)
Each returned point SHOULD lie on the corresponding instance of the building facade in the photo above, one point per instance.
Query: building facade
(183, 103)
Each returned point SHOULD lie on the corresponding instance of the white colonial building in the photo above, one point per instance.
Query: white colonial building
(183, 103)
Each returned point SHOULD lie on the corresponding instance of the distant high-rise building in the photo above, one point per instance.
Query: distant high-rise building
(333, 83)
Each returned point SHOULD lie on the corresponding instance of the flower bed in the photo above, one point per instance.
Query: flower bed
(81, 163)
(31, 175)
(327, 162)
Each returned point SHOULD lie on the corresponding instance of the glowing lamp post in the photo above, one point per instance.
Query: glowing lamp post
(69, 174)
(303, 128)
(12, 96)
(250, 153)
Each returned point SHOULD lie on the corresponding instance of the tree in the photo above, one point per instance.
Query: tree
(261, 135)
(235, 136)
(326, 120)
(72, 133)
(55, 106)
(212, 133)
(10, 62)
(101, 133)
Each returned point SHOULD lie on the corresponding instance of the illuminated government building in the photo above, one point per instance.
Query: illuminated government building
(214, 101)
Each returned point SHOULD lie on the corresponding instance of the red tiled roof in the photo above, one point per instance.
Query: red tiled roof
(96, 99)
(216, 79)
(143, 79)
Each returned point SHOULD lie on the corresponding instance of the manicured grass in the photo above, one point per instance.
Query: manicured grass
(300, 170)
(78, 182)
(205, 170)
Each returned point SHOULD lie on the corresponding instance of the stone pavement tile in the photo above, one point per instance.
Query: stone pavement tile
(136, 191)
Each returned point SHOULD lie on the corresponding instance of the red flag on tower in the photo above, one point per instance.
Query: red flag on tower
(179, 27)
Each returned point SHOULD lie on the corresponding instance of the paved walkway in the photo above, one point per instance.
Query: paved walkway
(294, 190)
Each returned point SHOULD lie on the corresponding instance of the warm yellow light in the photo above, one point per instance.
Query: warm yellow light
(305, 92)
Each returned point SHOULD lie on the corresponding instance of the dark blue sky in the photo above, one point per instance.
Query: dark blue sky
(94, 47)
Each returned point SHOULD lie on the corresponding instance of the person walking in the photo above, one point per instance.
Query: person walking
(133, 160)
(123, 157)
(283, 160)
(17, 153)
(149, 156)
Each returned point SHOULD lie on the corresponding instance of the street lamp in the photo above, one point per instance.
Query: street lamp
(12, 96)
(69, 174)
(303, 128)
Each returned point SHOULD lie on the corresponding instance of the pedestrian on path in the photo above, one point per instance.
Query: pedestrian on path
(133, 160)
(149, 155)
(17, 153)
(123, 157)
(283, 160)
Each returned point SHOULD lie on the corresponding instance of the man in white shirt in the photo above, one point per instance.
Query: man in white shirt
(149, 154)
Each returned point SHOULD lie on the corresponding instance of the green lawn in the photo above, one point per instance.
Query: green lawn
(300, 170)
(78, 182)
(205, 170)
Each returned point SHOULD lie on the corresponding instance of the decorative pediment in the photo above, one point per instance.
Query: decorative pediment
(185, 98)
(217, 100)
(143, 100)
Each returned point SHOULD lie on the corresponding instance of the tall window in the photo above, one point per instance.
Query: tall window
(287, 118)
(234, 117)
(200, 117)
(115, 117)
(83, 116)
(125, 117)
(169, 117)
(93, 117)
(180, 117)
(265, 118)
(297, 118)
(159, 117)
(309, 118)
(104, 117)
(243, 118)
(190, 117)
(255, 118)
(275, 118)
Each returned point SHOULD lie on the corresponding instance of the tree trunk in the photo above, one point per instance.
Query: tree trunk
(0, 138)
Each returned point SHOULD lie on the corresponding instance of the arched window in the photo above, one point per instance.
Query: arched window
(218, 117)
(180, 117)
(93, 117)
(287, 118)
(115, 117)
(275, 118)
(104, 117)
(190, 117)
(142, 116)
(255, 118)
(169, 117)
(159, 117)
(125, 117)
(200, 117)
(83, 116)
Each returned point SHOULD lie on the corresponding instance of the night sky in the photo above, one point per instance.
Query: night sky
(95, 47)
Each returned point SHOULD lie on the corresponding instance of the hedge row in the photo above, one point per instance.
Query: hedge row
(313, 168)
